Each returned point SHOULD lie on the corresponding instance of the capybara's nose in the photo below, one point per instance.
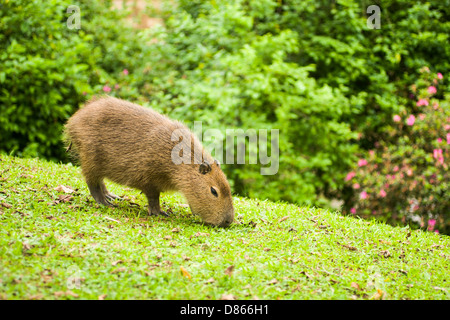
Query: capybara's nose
(227, 221)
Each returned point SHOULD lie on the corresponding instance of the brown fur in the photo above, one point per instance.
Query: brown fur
(132, 146)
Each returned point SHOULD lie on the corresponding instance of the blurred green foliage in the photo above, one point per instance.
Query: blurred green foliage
(48, 69)
(312, 69)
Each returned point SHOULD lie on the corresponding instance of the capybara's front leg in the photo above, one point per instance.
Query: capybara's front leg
(154, 208)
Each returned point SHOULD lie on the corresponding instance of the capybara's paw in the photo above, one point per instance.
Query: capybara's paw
(163, 213)
(111, 196)
(156, 212)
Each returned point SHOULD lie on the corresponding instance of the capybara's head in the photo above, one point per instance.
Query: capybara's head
(210, 195)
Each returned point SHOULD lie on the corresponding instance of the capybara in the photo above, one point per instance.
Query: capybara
(140, 148)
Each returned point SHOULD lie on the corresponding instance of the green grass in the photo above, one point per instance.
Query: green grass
(52, 247)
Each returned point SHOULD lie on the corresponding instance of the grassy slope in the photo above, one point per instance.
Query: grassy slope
(47, 244)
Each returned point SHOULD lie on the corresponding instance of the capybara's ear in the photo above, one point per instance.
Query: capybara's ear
(204, 167)
(217, 162)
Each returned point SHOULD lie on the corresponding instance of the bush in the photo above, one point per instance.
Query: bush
(48, 70)
(310, 68)
(406, 179)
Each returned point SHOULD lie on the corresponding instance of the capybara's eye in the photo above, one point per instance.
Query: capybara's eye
(214, 192)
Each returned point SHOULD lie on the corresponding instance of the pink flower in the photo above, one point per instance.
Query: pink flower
(397, 118)
(409, 172)
(410, 121)
(447, 127)
(363, 195)
(431, 223)
(116, 86)
(362, 162)
(422, 116)
(437, 231)
(448, 138)
(422, 102)
(439, 140)
(353, 210)
(125, 72)
(395, 168)
(356, 186)
(350, 176)
(435, 105)
(106, 89)
(440, 76)
(383, 193)
(432, 90)
(437, 154)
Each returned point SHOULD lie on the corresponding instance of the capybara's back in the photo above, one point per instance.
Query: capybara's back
(132, 145)
(119, 140)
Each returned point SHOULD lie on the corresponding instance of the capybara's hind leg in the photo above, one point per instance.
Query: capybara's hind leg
(97, 193)
(108, 195)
